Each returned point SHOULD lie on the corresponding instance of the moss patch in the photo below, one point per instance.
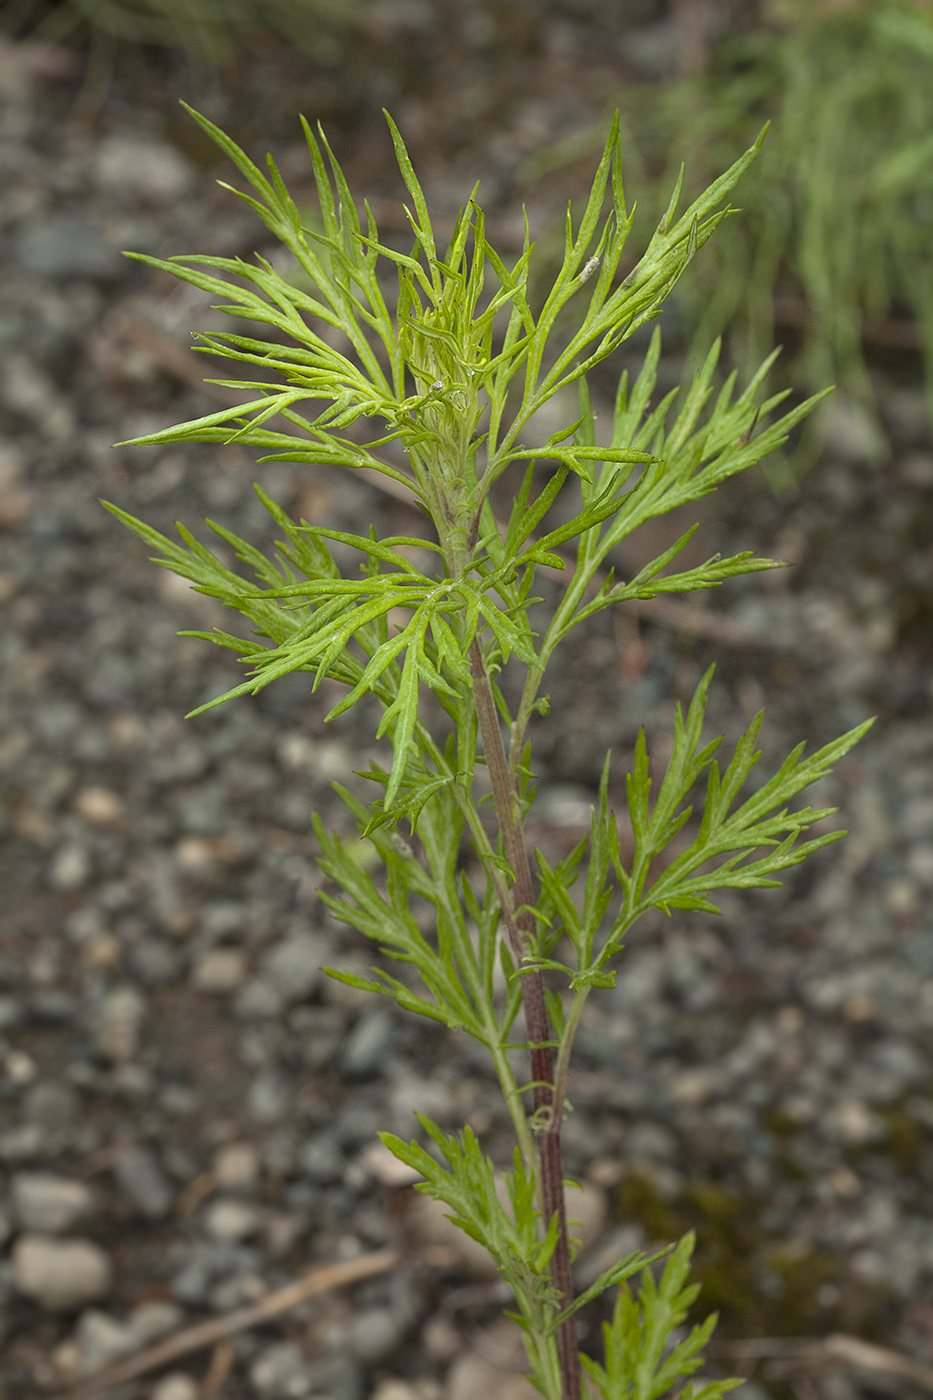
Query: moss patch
(759, 1283)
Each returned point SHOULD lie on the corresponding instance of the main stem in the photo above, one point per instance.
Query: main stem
(548, 1111)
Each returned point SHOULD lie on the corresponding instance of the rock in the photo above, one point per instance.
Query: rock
(397, 1390)
(321, 1159)
(100, 806)
(51, 1106)
(150, 1321)
(67, 245)
(149, 169)
(153, 961)
(143, 1182)
(236, 1167)
(493, 1366)
(47, 1204)
(70, 868)
(219, 970)
(374, 1333)
(280, 1372)
(369, 1043)
(293, 966)
(176, 1386)
(21, 1144)
(269, 1097)
(118, 1024)
(586, 1212)
(61, 1275)
(258, 1001)
(100, 1341)
(231, 1220)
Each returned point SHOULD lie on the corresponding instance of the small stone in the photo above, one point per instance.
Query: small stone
(853, 1122)
(52, 1106)
(21, 1144)
(375, 1333)
(99, 806)
(70, 868)
(176, 1386)
(397, 1390)
(231, 1220)
(280, 1372)
(61, 1275)
(153, 961)
(119, 1022)
(259, 1002)
(236, 1167)
(219, 970)
(268, 1098)
(47, 1204)
(586, 1214)
(67, 245)
(493, 1366)
(143, 1182)
(321, 1159)
(151, 1321)
(100, 1341)
(150, 169)
(11, 1013)
(369, 1043)
(293, 967)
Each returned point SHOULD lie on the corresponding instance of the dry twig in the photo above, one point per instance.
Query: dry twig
(220, 1329)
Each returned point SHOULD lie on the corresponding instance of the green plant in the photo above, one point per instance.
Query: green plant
(454, 375)
(834, 237)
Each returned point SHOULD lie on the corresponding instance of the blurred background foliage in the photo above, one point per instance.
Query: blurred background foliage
(215, 31)
(834, 251)
(833, 255)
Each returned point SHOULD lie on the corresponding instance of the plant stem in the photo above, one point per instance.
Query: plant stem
(547, 1112)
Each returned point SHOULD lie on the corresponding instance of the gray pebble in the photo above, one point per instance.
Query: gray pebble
(176, 1386)
(321, 1159)
(153, 961)
(61, 1275)
(143, 1182)
(369, 1043)
(47, 1204)
(258, 1001)
(269, 1097)
(150, 1321)
(100, 1341)
(21, 1144)
(280, 1372)
(51, 1106)
(219, 970)
(118, 1024)
(66, 245)
(70, 868)
(231, 1220)
(293, 967)
(375, 1333)
(11, 1012)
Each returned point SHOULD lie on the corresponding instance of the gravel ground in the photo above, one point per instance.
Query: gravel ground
(187, 1108)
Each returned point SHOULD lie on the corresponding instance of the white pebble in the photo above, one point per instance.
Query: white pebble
(47, 1204)
(177, 1386)
(61, 1275)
